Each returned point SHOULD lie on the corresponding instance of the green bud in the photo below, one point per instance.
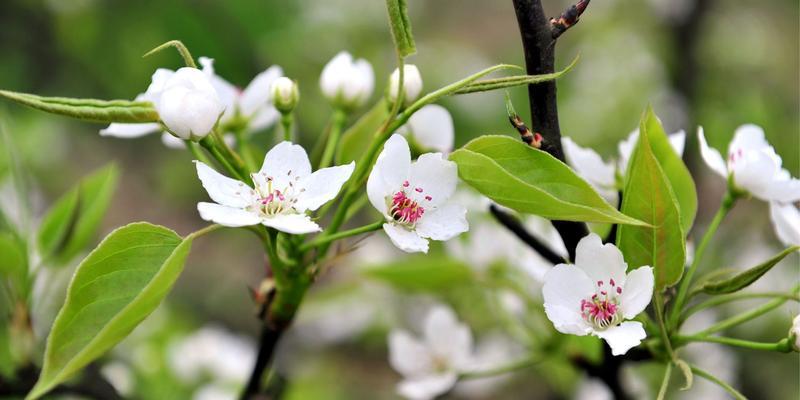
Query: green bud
(285, 94)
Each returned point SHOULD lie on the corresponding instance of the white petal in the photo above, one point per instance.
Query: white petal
(284, 163)
(292, 223)
(427, 387)
(623, 337)
(128, 131)
(412, 83)
(189, 105)
(678, 141)
(601, 262)
(449, 339)
(588, 164)
(432, 128)
(625, 148)
(227, 92)
(409, 356)
(748, 137)
(405, 239)
(443, 223)
(227, 216)
(172, 142)
(564, 288)
(782, 189)
(433, 179)
(257, 94)
(331, 79)
(638, 292)
(786, 220)
(389, 172)
(322, 186)
(263, 119)
(157, 83)
(711, 155)
(224, 190)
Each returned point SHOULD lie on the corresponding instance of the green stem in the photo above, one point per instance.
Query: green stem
(662, 392)
(208, 144)
(203, 231)
(325, 239)
(232, 156)
(287, 121)
(711, 378)
(515, 366)
(196, 153)
(715, 301)
(337, 124)
(744, 317)
(782, 346)
(244, 147)
(659, 307)
(727, 203)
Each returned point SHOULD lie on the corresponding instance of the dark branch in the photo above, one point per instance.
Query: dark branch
(267, 343)
(537, 41)
(91, 385)
(568, 18)
(515, 226)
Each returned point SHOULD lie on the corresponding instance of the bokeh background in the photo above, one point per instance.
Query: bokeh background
(718, 64)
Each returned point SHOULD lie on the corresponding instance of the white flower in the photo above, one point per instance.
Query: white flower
(285, 94)
(215, 391)
(252, 103)
(786, 220)
(753, 165)
(596, 297)
(412, 196)
(431, 128)
(212, 350)
(603, 175)
(284, 190)
(412, 83)
(795, 331)
(189, 105)
(430, 366)
(347, 83)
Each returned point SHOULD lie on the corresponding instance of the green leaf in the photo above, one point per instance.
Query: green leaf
(116, 287)
(73, 220)
(512, 81)
(104, 111)
(13, 264)
(744, 279)
(422, 273)
(671, 163)
(356, 140)
(649, 197)
(401, 27)
(528, 180)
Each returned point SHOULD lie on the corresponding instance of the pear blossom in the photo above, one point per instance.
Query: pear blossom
(413, 196)
(752, 165)
(253, 103)
(212, 350)
(284, 190)
(431, 128)
(603, 176)
(786, 220)
(346, 82)
(794, 332)
(189, 105)
(412, 83)
(595, 296)
(285, 94)
(430, 365)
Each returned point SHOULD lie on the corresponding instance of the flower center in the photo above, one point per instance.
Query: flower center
(602, 309)
(276, 201)
(406, 210)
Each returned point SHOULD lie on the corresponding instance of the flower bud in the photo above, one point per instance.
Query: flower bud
(285, 94)
(189, 106)
(794, 334)
(412, 84)
(347, 83)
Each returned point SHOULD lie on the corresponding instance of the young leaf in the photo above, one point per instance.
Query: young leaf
(13, 265)
(744, 279)
(422, 273)
(678, 175)
(104, 111)
(357, 138)
(116, 287)
(74, 218)
(401, 27)
(531, 181)
(649, 197)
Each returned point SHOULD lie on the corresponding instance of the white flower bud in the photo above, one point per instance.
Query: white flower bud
(189, 106)
(285, 94)
(412, 83)
(347, 83)
(794, 333)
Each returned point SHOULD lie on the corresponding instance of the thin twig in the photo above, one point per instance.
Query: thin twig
(568, 18)
(515, 226)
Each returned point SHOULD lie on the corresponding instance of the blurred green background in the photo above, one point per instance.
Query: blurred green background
(718, 64)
